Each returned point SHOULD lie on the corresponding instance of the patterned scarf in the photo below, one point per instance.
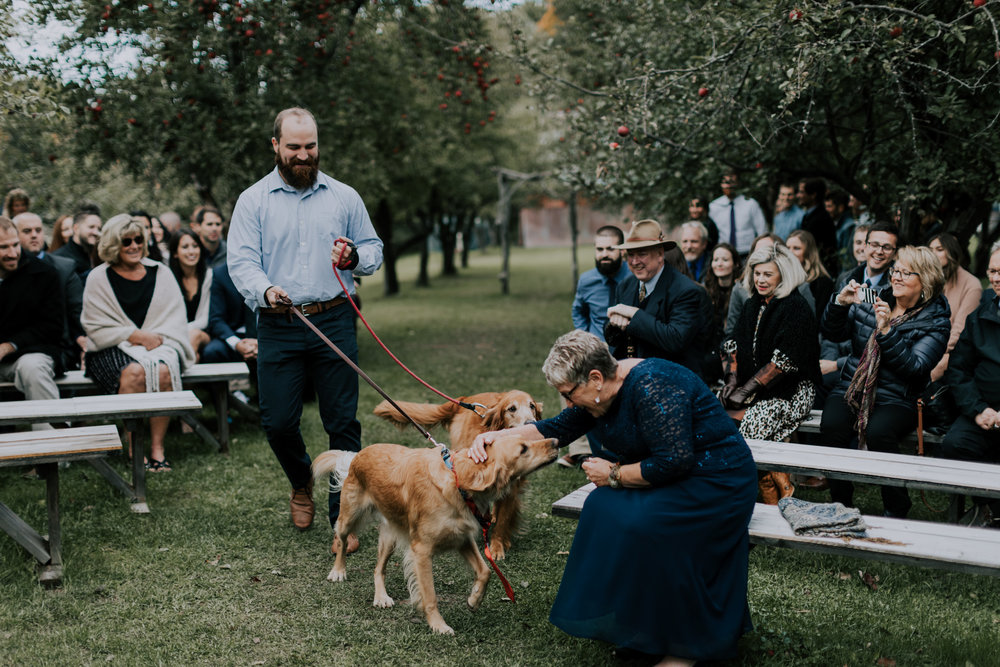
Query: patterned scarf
(861, 392)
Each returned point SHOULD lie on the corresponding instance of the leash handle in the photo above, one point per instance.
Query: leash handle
(362, 374)
(395, 358)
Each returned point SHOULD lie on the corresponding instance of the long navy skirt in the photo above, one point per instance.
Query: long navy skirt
(663, 570)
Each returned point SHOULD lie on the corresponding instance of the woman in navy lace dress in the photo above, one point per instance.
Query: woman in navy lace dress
(659, 561)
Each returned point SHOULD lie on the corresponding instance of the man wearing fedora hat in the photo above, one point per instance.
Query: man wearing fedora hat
(659, 312)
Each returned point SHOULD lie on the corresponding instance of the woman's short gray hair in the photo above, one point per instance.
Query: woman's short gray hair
(574, 355)
(792, 273)
(110, 244)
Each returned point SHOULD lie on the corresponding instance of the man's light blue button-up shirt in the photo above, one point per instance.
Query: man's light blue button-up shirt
(282, 236)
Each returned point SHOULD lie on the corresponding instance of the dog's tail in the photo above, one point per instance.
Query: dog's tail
(425, 414)
(335, 463)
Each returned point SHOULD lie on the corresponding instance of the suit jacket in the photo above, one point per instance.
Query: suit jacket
(31, 310)
(819, 223)
(674, 322)
(74, 251)
(227, 309)
(72, 289)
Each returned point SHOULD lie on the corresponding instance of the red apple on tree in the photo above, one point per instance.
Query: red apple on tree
(978, 3)
(703, 91)
(895, 32)
(622, 131)
(794, 15)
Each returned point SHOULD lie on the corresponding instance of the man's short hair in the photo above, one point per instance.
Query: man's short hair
(611, 230)
(140, 213)
(7, 225)
(205, 210)
(838, 197)
(84, 212)
(887, 227)
(815, 187)
(694, 224)
(864, 227)
(285, 113)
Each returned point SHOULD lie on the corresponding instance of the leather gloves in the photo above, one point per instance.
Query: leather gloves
(738, 398)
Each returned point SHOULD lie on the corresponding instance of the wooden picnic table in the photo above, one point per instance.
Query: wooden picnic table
(130, 408)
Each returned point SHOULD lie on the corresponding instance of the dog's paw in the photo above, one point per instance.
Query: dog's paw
(442, 628)
(383, 601)
(497, 550)
(336, 575)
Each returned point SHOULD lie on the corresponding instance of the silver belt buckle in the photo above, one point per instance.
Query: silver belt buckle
(302, 307)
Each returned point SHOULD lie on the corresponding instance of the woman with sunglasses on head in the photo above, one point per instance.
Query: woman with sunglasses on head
(897, 336)
(136, 323)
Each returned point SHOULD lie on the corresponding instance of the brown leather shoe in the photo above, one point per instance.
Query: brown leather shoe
(303, 507)
(352, 545)
(815, 483)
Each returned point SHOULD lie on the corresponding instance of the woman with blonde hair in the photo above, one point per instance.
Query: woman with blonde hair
(136, 323)
(803, 246)
(771, 359)
(895, 342)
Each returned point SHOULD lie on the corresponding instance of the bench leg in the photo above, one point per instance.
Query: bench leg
(220, 392)
(50, 573)
(134, 429)
(24, 534)
(205, 434)
(956, 508)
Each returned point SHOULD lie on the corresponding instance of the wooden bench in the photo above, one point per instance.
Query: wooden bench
(130, 408)
(45, 450)
(922, 543)
(812, 424)
(215, 376)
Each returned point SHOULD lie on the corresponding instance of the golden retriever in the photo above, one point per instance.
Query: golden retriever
(503, 410)
(417, 497)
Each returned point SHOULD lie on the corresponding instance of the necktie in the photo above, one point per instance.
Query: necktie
(869, 283)
(642, 292)
(732, 223)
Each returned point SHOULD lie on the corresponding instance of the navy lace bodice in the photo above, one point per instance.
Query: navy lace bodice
(665, 418)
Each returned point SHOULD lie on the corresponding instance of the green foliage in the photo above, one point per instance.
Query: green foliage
(897, 103)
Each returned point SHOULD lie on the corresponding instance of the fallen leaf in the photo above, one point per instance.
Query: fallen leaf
(214, 561)
(255, 579)
(843, 576)
(256, 640)
(227, 566)
(885, 662)
(162, 549)
(566, 553)
(870, 581)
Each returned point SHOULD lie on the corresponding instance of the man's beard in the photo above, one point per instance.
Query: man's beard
(608, 267)
(300, 179)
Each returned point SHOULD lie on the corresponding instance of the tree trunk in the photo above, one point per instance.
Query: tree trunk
(468, 227)
(574, 230)
(383, 227)
(503, 227)
(447, 233)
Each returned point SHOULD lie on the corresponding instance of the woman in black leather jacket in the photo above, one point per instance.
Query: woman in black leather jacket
(895, 343)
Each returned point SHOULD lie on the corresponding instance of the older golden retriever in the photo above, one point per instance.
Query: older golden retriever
(419, 501)
(503, 410)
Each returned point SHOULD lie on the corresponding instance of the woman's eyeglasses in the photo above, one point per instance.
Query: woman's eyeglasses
(129, 240)
(568, 395)
(900, 273)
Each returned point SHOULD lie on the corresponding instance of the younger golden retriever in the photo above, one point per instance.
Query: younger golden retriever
(503, 410)
(419, 501)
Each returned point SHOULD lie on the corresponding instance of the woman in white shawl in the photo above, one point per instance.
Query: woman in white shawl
(136, 324)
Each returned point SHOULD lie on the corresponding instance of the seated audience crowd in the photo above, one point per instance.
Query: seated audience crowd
(831, 310)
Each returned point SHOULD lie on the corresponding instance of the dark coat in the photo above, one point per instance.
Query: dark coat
(787, 326)
(227, 310)
(908, 352)
(72, 289)
(819, 223)
(974, 367)
(31, 310)
(74, 251)
(674, 323)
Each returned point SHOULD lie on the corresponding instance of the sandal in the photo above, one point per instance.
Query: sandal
(153, 465)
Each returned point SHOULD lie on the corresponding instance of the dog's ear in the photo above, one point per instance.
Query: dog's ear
(493, 420)
(479, 477)
(538, 410)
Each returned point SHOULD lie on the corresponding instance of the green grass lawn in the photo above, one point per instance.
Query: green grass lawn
(216, 575)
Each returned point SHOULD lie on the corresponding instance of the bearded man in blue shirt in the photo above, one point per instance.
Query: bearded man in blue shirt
(286, 230)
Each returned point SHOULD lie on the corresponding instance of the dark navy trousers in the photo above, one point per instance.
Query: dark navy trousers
(287, 353)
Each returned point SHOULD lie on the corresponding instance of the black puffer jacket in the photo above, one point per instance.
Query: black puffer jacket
(908, 352)
(974, 367)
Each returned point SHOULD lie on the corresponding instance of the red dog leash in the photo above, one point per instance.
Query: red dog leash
(340, 260)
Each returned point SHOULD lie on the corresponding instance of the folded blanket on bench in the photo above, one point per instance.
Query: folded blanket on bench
(822, 519)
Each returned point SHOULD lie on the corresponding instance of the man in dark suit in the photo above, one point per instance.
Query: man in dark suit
(660, 313)
(811, 198)
(231, 324)
(31, 319)
(81, 247)
(32, 236)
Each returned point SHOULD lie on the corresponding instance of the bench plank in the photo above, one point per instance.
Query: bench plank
(93, 408)
(69, 444)
(912, 472)
(922, 543)
(812, 424)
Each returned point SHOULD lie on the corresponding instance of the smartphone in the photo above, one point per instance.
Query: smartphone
(867, 294)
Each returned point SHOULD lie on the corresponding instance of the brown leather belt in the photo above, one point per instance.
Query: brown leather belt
(311, 308)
